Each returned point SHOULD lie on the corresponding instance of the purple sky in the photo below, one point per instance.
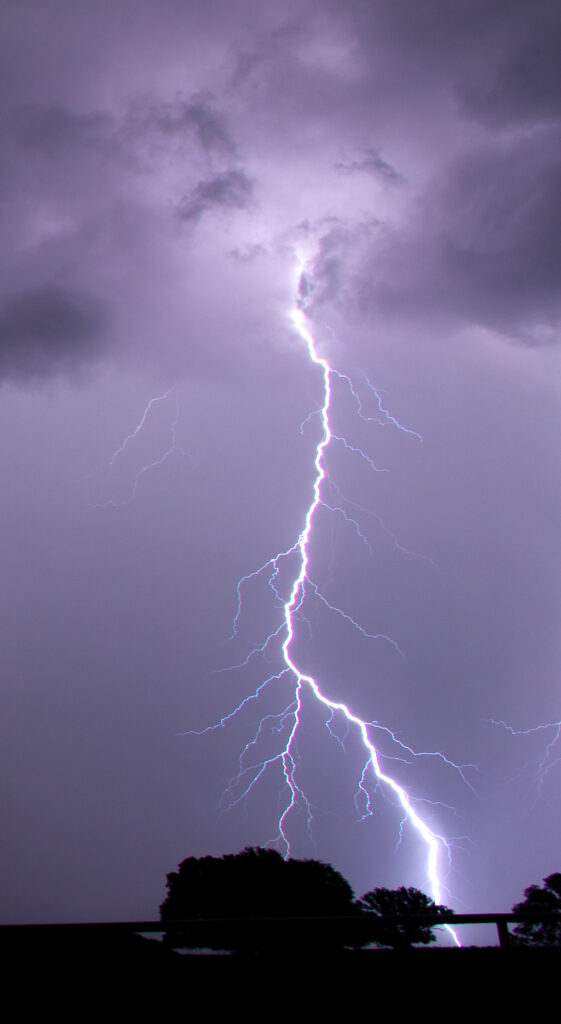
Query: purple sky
(165, 169)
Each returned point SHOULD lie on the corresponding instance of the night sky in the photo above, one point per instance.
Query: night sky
(168, 169)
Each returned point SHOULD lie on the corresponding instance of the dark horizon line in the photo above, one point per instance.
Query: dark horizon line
(356, 923)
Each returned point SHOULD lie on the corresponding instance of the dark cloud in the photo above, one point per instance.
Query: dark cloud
(228, 190)
(371, 163)
(196, 114)
(87, 202)
(525, 86)
(481, 241)
(58, 130)
(440, 34)
(487, 245)
(55, 129)
(499, 237)
(496, 60)
(481, 244)
(44, 330)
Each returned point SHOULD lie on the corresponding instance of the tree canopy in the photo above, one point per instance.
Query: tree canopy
(385, 903)
(539, 899)
(256, 883)
(257, 900)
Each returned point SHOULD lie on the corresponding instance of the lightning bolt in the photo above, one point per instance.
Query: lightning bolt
(550, 757)
(294, 686)
(173, 447)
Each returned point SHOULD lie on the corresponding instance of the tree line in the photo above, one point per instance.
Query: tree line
(258, 884)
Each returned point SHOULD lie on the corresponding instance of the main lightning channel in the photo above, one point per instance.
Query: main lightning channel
(435, 844)
(286, 722)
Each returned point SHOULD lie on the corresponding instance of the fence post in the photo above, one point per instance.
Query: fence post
(504, 934)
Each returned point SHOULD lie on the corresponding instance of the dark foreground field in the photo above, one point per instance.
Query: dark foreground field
(63, 972)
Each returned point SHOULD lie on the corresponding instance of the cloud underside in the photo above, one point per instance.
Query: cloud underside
(483, 245)
(481, 242)
(96, 192)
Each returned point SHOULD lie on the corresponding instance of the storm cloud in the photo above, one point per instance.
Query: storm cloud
(478, 241)
(482, 245)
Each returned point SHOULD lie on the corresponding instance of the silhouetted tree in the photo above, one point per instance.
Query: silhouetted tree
(385, 903)
(538, 899)
(254, 884)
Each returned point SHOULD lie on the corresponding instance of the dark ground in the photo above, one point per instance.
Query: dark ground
(134, 975)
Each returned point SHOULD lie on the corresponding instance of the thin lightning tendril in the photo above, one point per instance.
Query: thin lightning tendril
(286, 723)
(146, 467)
(130, 437)
(548, 760)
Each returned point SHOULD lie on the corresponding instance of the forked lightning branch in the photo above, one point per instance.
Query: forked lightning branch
(286, 723)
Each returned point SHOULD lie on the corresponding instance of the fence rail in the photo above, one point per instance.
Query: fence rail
(199, 930)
